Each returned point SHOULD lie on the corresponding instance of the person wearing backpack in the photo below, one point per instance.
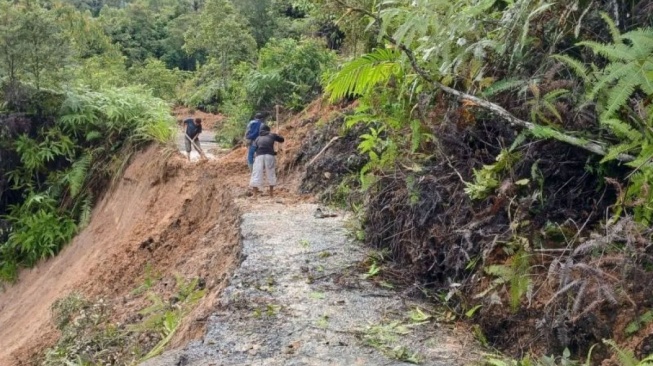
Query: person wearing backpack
(251, 134)
(193, 130)
(265, 162)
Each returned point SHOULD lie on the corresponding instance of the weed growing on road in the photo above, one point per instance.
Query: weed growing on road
(317, 295)
(384, 337)
(323, 322)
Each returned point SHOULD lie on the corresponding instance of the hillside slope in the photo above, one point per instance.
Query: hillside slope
(164, 216)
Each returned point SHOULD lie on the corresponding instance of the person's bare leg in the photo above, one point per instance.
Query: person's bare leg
(271, 191)
(255, 191)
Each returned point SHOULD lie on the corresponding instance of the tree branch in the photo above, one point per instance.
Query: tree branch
(593, 147)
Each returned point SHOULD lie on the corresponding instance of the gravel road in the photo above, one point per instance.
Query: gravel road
(300, 297)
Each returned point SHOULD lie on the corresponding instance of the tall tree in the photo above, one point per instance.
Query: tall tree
(223, 34)
(32, 45)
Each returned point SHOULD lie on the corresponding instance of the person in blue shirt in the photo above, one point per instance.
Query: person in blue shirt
(193, 130)
(251, 133)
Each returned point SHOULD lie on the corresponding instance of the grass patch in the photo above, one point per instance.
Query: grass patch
(89, 336)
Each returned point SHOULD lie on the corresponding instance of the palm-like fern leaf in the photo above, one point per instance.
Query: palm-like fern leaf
(363, 73)
(77, 175)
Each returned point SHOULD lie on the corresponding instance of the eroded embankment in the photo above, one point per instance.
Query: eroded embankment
(164, 220)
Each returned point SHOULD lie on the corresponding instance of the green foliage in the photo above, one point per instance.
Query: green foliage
(90, 337)
(68, 162)
(516, 276)
(165, 318)
(288, 73)
(154, 74)
(628, 71)
(639, 323)
(87, 336)
(385, 337)
(32, 45)
(222, 33)
(38, 229)
(359, 76)
(207, 89)
(564, 360)
(487, 179)
(639, 195)
(626, 357)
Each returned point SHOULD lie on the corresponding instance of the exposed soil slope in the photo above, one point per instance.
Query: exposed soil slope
(167, 215)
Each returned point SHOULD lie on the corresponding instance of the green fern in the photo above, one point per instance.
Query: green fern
(85, 212)
(630, 68)
(488, 178)
(576, 66)
(360, 75)
(501, 86)
(516, 276)
(640, 195)
(626, 357)
(78, 174)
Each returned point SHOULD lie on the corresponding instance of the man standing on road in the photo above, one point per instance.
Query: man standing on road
(251, 133)
(265, 162)
(193, 130)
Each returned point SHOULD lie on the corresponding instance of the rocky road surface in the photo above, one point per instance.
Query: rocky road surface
(301, 297)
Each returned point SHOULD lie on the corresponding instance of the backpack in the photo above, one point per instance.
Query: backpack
(254, 128)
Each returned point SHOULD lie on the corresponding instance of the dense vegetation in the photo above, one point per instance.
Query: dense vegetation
(504, 147)
(508, 165)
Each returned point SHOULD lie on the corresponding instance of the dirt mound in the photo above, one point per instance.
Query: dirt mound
(165, 217)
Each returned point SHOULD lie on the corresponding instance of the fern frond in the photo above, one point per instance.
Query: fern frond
(626, 357)
(533, 14)
(611, 73)
(555, 94)
(645, 157)
(552, 109)
(613, 52)
(618, 95)
(93, 135)
(622, 129)
(501, 86)
(612, 27)
(85, 212)
(77, 175)
(641, 41)
(646, 81)
(363, 73)
(574, 65)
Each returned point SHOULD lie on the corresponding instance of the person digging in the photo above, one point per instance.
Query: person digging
(264, 161)
(193, 130)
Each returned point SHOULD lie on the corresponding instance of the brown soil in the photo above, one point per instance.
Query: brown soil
(209, 121)
(166, 216)
(175, 218)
